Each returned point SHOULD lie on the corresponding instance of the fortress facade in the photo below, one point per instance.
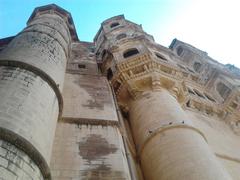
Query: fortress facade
(121, 107)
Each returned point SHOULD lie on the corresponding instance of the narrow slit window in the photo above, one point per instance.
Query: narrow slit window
(109, 74)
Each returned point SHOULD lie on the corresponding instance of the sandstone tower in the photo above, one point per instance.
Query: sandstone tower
(121, 107)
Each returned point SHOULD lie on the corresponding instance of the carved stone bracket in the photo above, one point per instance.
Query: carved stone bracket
(156, 83)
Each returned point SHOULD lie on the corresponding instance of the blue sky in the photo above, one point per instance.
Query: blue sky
(210, 25)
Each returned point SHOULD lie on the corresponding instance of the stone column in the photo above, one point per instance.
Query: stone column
(32, 70)
(169, 147)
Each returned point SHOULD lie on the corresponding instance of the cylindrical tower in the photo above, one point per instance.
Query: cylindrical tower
(169, 146)
(149, 89)
(32, 69)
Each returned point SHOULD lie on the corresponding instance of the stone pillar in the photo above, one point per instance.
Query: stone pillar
(169, 147)
(32, 70)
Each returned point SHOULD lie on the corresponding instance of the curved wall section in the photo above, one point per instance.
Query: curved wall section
(16, 164)
(44, 45)
(169, 146)
(32, 69)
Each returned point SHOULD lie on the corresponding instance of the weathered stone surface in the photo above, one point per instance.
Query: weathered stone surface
(168, 144)
(41, 46)
(15, 164)
(88, 97)
(88, 152)
(32, 69)
(28, 107)
(82, 59)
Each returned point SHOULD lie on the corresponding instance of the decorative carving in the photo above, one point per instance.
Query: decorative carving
(155, 75)
(156, 83)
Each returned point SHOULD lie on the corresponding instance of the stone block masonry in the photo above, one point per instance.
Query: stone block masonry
(15, 164)
(32, 69)
(26, 107)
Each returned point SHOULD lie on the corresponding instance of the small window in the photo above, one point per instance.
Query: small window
(197, 66)
(130, 52)
(109, 74)
(121, 36)
(160, 56)
(180, 51)
(223, 90)
(82, 66)
(114, 24)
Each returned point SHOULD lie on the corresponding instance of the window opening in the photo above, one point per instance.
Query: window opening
(121, 36)
(197, 66)
(223, 90)
(130, 52)
(179, 51)
(114, 24)
(109, 74)
(81, 66)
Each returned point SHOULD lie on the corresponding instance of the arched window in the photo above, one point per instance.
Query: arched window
(223, 90)
(179, 51)
(130, 52)
(160, 56)
(109, 74)
(114, 24)
(197, 66)
(121, 36)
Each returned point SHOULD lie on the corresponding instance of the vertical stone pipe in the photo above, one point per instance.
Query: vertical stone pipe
(32, 69)
(170, 148)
